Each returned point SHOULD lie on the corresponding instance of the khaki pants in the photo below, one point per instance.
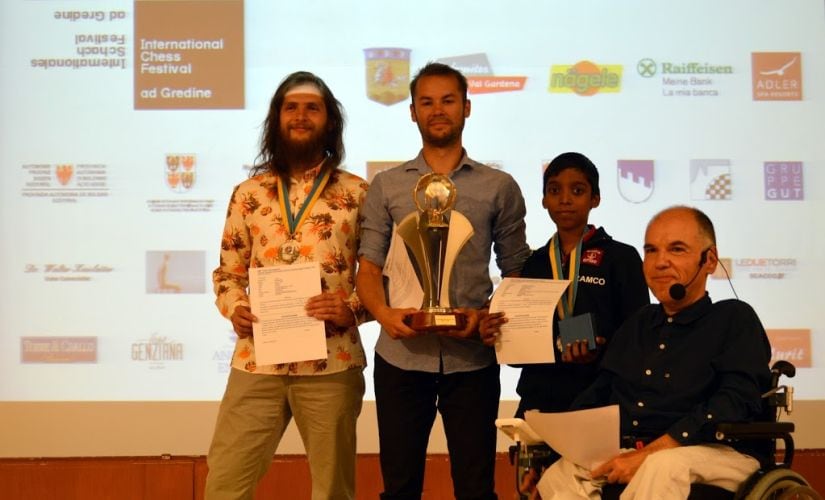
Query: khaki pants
(664, 475)
(253, 416)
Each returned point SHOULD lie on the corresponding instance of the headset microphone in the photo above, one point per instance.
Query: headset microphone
(677, 291)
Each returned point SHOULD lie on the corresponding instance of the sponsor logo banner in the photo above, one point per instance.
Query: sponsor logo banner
(635, 180)
(685, 79)
(791, 344)
(156, 351)
(480, 77)
(65, 182)
(710, 180)
(222, 355)
(719, 273)
(67, 273)
(771, 268)
(58, 349)
(180, 271)
(63, 173)
(179, 173)
(777, 76)
(585, 78)
(783, 180)
(388, 74)
(189, 55)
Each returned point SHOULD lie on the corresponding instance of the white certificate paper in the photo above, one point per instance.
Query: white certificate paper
(587, 438)
(529, 305)
(284, 333)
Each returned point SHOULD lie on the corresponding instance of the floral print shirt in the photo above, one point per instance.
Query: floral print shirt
(254, 231)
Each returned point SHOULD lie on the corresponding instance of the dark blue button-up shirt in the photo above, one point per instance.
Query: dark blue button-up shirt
(676, 374)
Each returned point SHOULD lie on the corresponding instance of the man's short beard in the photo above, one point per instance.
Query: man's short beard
(300, 152)
(442, 141)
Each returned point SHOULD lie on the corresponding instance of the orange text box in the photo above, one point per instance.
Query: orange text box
(189, 54)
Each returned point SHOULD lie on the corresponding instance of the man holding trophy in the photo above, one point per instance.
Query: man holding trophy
(428, 230)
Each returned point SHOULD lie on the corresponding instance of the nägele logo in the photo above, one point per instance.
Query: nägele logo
(585, 78)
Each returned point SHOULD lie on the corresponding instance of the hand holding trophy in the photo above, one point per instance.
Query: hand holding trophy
(434, 235)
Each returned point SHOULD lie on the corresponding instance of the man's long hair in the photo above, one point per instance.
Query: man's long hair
(271, 156)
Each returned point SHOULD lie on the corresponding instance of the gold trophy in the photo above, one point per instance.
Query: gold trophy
(434, 235)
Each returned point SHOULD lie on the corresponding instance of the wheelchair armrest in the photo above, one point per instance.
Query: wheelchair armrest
(753, 430)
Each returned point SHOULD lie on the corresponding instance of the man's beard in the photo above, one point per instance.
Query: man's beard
(442, 141)
(300, 152)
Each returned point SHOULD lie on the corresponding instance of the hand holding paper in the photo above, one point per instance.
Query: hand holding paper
(527, 336)
(284, 333)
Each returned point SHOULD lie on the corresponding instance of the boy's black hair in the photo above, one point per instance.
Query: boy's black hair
(576, 161)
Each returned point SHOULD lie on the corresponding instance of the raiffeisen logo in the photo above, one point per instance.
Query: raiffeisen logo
(648, 67)
(585, 78)
(686, 79)
(479, 73)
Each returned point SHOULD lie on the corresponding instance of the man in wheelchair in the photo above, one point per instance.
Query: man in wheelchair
(675, 369)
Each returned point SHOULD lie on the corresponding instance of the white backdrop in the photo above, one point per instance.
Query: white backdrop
(108, 251)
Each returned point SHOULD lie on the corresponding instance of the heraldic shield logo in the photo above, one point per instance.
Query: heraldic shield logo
(710, 179)
(388, 74)
(635, 180)
(180, 172)
(64, 173)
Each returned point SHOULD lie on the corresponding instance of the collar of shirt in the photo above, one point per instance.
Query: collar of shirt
(310, 174)
(420, 164)
(687, 315)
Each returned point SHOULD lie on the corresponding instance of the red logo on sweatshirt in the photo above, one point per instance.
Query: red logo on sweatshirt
(593, 256)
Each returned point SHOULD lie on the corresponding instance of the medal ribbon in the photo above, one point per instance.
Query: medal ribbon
(294, 222)
(568, 300)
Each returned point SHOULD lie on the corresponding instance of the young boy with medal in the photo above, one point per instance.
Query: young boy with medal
(607, 286)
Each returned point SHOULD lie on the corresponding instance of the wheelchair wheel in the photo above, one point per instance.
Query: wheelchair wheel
(781, 484)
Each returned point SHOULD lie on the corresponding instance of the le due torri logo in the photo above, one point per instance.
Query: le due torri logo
(585, 78)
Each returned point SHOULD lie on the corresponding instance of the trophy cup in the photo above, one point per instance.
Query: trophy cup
(434, 235)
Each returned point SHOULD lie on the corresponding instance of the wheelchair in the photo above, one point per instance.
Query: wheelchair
(773, 480)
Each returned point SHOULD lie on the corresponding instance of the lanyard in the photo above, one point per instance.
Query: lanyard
(568, 300)
(293, 221)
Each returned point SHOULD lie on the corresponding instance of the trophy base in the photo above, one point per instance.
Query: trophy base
(436, 320)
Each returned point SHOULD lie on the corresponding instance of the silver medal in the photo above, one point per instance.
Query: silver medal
(289, 251)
